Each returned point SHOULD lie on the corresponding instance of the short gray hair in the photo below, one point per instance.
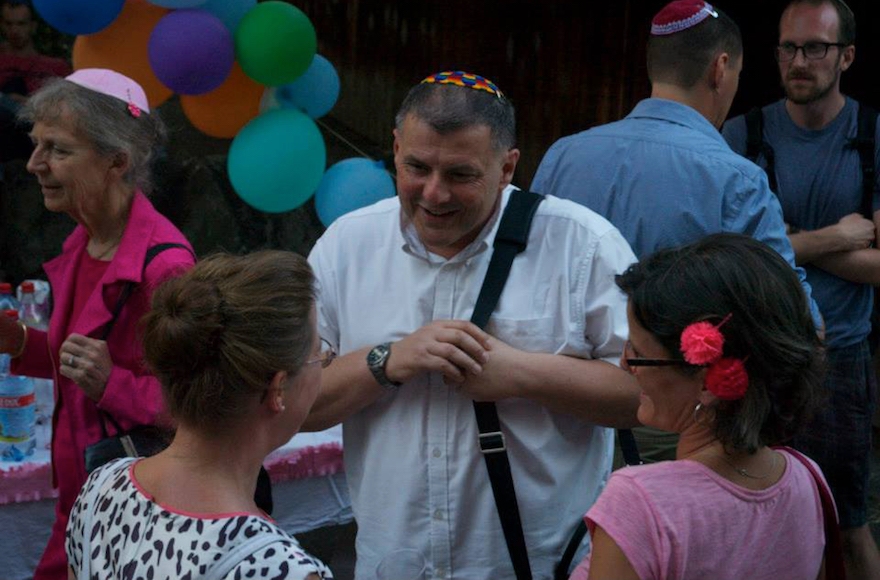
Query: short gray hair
(105, 121)
(448, 108)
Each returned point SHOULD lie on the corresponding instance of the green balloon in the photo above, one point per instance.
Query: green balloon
(275, 43)
(276, 161)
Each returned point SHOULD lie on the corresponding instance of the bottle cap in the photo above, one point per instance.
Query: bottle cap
(27, 286)
(5, 288)
(11, 313)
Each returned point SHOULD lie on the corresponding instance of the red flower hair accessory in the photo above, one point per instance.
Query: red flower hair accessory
(702, 342)
(727, 379)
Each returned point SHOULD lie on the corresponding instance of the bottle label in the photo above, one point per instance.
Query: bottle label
(17, 402)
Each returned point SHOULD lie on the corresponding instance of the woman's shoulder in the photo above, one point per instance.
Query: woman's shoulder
(284, 558)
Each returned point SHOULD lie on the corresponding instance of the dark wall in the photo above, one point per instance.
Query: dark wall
(566, 65)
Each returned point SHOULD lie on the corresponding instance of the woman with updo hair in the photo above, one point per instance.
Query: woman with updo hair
(235, 346)
(725, 351)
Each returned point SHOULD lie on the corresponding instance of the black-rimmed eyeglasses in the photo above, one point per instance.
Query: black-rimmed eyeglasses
(328, 353)
(787, 51)
(629, 355)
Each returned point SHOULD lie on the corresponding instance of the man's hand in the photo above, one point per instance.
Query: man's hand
(855, 232)
(455, 348)
(496, 382)
(86, 361)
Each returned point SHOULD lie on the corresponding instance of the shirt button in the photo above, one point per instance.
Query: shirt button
(439, 573)
(438, 514)
(437, 452)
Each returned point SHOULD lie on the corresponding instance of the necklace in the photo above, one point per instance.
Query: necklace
(743, 472)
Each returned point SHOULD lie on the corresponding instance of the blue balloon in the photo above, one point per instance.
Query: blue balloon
(177, 3)
(276, 161)
(230, 12)
(78, 16)
(315, 92)
(352, 184)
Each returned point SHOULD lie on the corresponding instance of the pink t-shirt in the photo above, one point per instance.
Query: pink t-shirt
(680, 519)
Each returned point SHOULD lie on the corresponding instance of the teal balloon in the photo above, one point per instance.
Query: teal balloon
(276, 161)
(352, 184)
(230, 12)
(315, 92)
(275, 43)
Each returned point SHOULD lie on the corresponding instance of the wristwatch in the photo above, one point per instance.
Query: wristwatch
(377, 360)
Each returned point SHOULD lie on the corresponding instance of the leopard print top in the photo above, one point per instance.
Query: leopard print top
(132, 537)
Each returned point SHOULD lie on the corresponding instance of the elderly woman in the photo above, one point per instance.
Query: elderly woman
(94, 138)
(234, 343)
(724, 349)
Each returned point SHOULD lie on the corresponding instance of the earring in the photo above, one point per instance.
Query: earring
(703, 415)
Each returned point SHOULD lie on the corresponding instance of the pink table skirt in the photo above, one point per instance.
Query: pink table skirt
(306, 455)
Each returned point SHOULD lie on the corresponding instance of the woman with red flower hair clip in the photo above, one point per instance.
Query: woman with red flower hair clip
(725, 351)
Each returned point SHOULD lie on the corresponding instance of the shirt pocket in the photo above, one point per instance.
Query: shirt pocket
(530, 335)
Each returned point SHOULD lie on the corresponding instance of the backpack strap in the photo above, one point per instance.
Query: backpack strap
(222, 567)
(864, 144)
(756, 146)
(511, 239)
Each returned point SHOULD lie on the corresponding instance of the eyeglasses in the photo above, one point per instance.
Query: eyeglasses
(812, 50)
(326, 357)
(637, 361)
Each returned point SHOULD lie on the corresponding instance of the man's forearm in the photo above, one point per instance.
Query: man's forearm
(347, 386)
(858, 266)
(593, 390)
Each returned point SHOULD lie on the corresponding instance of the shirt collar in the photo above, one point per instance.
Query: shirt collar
(675, 112)
(413, 246)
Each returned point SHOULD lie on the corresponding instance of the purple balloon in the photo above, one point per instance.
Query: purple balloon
(191, 51)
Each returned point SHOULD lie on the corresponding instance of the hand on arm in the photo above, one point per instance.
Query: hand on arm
(453, 348)
(852, 233)
(593, 390)
(859, 264)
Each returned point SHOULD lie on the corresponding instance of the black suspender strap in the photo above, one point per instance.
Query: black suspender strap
(864, 144)
(511, 239)
(756, 146)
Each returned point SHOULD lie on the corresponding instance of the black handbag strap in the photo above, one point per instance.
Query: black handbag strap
(511, 239)
(129, 287)
(631, 457)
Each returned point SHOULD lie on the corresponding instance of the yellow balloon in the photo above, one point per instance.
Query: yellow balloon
(122, 47)
(226, 109)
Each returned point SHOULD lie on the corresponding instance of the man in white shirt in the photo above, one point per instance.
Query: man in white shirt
(397, 286)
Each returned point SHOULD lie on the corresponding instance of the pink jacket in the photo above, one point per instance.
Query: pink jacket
(132, 395)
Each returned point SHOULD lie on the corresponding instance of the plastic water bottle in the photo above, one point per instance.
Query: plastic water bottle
(17, 412)
(32, 313)
(7, 299)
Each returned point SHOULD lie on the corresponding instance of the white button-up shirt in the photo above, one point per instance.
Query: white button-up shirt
(412, 459)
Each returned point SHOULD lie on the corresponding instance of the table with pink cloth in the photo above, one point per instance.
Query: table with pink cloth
(309, 491)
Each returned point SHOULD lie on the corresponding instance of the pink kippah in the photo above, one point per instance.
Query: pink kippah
(681, 15)
(116, 85)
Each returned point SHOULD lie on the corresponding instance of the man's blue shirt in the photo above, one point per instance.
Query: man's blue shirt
(665, 177)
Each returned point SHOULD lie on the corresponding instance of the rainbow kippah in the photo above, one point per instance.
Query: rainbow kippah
(463, 79)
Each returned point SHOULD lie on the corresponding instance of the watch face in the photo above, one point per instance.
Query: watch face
(377, 356)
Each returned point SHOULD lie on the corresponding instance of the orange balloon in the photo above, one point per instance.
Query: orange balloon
(226, 109)
(122, 47)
